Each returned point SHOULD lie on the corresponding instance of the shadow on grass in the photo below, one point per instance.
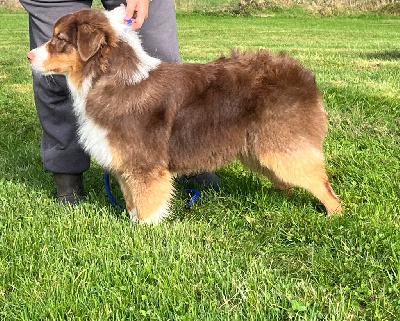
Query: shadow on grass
(386, 55)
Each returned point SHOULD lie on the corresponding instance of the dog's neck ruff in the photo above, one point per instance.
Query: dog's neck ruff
(91, 136)
(79, 95)
(146, 62)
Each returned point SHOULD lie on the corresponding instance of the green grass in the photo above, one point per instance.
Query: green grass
(324, 7)
(245, 253)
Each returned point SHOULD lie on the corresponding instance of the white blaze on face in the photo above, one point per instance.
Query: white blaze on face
(37, 57)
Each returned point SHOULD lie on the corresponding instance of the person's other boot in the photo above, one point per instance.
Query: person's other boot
(206, 179)
(69, 188)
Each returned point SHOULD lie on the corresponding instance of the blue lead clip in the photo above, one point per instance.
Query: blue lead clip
(127, 26)
(194, 195)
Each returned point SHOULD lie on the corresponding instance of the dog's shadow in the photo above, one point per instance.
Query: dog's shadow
(243, 194)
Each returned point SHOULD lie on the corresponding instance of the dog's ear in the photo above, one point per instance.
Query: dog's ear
(89, 41)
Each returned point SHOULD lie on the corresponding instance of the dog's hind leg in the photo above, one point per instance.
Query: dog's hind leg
(254, 165)
(304, 168)
(147, 195)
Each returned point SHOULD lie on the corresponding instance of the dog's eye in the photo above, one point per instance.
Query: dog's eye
(60, 42)
(61, 37)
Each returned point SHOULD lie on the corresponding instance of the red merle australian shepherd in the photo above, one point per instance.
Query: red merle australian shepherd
(147, 120)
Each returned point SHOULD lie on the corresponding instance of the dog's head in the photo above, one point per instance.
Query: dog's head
(78, 38)
(86, 43)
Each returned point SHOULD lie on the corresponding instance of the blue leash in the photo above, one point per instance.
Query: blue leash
(193, 193)
(108, 190)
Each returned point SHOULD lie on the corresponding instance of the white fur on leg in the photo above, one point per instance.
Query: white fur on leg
(133, 216)
(155, 218)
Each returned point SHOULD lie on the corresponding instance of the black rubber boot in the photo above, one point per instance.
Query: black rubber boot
(206, 179)
(69, 188)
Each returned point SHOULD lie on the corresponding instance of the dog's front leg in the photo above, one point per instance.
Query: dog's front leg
(123, 180)
(147, 194)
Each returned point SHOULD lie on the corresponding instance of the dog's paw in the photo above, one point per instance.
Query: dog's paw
(156, 217)
(133, 215)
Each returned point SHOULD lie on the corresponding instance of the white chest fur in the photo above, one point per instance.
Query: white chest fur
(92, 136)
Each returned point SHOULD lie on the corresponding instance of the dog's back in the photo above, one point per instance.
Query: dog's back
(236, 102)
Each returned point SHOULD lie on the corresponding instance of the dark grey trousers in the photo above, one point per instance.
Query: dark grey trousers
(60, 150)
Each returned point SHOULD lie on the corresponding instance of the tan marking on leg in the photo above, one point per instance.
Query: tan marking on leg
(130, 205)
(150, 194)
(304, 168)
(255, 165)
(117, 161)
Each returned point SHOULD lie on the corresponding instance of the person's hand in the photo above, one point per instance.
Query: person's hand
(137, 10)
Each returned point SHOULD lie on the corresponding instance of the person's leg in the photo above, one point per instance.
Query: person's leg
(159, 31)
(60, 150)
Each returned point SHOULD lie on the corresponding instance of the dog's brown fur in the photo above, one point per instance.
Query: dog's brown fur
(265, 110)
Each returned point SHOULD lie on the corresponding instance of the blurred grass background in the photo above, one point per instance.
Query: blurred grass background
(313, 6)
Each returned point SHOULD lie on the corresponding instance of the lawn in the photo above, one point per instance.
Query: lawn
(244, 253)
